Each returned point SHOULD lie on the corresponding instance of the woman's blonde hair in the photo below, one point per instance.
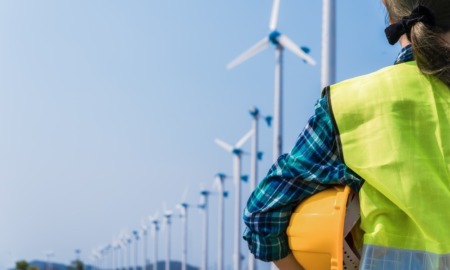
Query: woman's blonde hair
(430, 44)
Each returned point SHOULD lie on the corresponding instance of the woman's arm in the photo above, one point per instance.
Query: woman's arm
(307, 169)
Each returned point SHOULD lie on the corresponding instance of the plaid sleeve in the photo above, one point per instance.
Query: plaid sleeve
(311, 165)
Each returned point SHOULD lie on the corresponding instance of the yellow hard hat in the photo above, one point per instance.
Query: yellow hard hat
(323, 231)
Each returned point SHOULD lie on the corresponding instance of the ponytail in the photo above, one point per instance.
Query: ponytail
(430, 41)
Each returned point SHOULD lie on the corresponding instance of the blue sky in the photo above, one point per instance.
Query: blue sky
(110, 108)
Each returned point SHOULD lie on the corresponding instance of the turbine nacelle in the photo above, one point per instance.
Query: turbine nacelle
(273, 37)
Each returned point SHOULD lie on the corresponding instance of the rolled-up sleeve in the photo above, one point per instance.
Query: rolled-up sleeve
(311, 165)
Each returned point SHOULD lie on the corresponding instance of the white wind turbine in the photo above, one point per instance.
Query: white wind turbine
(255, 156)
(95, 257)
(218, 183)
(144, 230)
(127, 240)
(114, 254)
(280, 41)
(49, 254)
(328, 43)
(204, 193)
(167, 215)
(154, 220)
(136, 248)
(121, 252)
(183, 206)
(237, 155)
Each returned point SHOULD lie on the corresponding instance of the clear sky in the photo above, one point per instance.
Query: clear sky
(109, 108)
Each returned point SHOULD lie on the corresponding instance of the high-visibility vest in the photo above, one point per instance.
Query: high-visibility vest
(393, 130)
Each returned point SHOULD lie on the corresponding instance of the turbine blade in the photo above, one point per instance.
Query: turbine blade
(215, 184)
(185, 193)
(154, 216)
(254, 50)
(167, 212)
(274, 17)
(290, 45)
(224, 145)
(244, 139)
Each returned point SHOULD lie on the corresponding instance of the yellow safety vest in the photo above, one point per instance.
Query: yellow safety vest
(393, 130)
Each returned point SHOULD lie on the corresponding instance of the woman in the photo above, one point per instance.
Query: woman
(387, 136)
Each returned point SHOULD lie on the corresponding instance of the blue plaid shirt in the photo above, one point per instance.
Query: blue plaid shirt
(310, 167)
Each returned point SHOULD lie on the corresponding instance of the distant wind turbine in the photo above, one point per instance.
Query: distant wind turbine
(49, 254)
(154, 220)
(136, 250)
(183, 206)
(255, 156)
(127, 239)
(218, 183)
(204, 193)
(144, 229)
(237, 152)
(167, 215)
(95, 258)
(280, 41)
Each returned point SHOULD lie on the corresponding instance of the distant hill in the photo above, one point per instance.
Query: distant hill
(174, 265)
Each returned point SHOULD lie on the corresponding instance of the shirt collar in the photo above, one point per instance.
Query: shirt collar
(405, 55)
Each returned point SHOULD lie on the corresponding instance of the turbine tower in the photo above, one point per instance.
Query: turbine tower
(237, 152)
(328, 43)
(280, 41)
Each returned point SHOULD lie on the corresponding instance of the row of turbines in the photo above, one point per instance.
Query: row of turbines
(122, 254)
(108, 256)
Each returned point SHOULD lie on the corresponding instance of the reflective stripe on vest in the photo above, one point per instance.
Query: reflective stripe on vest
(393, 130)
(401, 259)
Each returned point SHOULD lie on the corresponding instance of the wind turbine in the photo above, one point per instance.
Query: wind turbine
(280, 41)
(183, 206)
(119, 253)
(49, 254)
(255, 156)
(167, 215)
(127, 238)
(218, 183)
(237, 152)
(122, 241)
(144, 229)
(154, 220)
(136, 245)
(328, 43)
(113, 248)
(204, 193)
(95, 257)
